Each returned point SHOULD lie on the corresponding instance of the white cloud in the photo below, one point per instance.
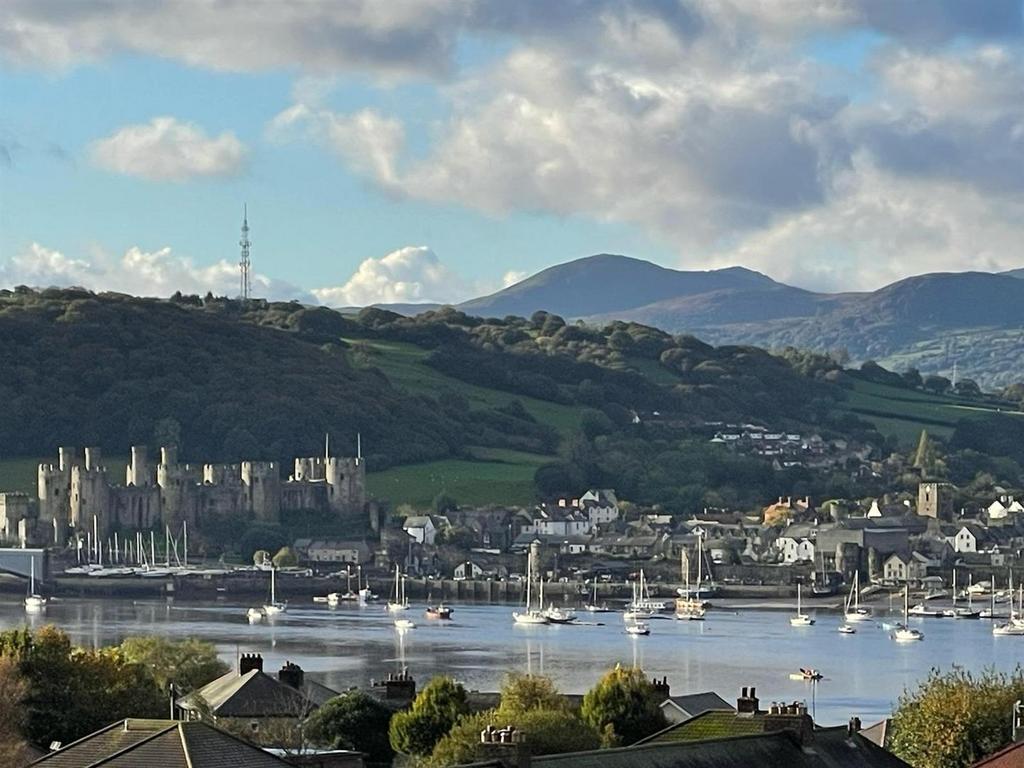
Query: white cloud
(165, 149)
(412, 274)
(138, 272)
(512, 277)
(880, 227)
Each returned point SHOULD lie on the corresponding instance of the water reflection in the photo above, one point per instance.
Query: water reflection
(349, 646)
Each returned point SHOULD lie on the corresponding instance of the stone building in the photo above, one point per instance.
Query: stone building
(80, 495)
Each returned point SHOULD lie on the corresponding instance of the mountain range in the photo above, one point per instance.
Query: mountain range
(974, 320)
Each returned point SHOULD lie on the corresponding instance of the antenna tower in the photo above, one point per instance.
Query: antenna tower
(244, 263)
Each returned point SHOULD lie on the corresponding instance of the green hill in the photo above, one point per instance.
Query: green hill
(484, 410)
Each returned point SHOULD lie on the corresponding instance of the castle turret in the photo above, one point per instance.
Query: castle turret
(262, 480)
(89, 492)
(137, 473)
(346, 484)
(54, 492)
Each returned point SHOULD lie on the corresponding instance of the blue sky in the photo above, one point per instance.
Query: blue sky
(430, 152)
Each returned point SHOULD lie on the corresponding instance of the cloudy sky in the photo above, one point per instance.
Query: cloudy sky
(431, 150)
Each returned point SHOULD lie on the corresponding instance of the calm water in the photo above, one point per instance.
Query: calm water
(349, 646)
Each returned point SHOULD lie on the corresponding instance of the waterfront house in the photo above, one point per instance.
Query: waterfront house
(421, 528)
(137, 742)
(601, 506)
(333, 551)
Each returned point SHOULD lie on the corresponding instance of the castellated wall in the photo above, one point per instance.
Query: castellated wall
(75, 492)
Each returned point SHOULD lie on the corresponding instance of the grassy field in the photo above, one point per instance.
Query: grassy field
(904, 413)
(21, 474)
(498, 476)
(403, 365)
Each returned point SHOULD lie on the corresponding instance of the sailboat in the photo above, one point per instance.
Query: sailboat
(274, 607)
(532, 614)
(439, 611)
(637, 628)
(687, 607)
(968, 612)
(593, 606)
(853, 613)
(902, 633)
(400, 602)
(642, 602)
(1015, 626)
(34, 602)
(557, 615)
(801, 619)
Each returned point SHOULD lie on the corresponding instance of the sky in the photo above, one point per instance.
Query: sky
(436, 150)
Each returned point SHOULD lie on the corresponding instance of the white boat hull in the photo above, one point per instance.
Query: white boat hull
(532, 617)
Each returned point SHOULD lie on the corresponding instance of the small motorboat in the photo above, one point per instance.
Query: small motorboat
(254, 615)
(638, 628)
(558, 615)
(404, 624)
(904, 634)
(846, 629)
(439, 611)
(806, 674)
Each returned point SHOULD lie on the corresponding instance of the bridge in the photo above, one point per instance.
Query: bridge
(18, 562)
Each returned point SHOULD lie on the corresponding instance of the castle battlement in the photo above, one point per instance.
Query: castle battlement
(78, 494)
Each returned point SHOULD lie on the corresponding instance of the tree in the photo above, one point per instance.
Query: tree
(434, 711)
(912, 378)
(522, 693)
(356, 721)
(954, 719)
(444, 503)
(623, 707)
(75, 691)
(13, 690)
(285, 558)
(938, 384)
(187, 664)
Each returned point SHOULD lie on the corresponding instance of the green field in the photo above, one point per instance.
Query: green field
(905, 412)
(21, 474)
(403, 365)
(499, 476)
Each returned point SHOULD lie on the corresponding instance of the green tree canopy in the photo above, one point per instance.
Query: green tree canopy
(285, 558)
(623, 707)
(187, 664)
(433, 713)
(954, 719)
(356, 721)
(524, 693)
(75, 691)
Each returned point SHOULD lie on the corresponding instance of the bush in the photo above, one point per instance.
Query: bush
(356, 721)
(623, 707)
(433, 713)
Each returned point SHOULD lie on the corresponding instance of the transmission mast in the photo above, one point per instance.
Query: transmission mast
(244, 263)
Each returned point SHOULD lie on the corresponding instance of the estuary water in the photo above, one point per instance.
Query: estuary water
(864, 673)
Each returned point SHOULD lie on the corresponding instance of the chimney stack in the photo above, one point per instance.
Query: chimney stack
(505, 745)
(791, 717)
(853, 726)
(661, 687)
(746, 704)
(291, 675)
(247, 662)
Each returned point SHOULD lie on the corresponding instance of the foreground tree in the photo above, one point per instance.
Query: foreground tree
(954, 719)
(187, 664)
(13, 690)
(623, 707)
(356, 721)
(75, 691)
(531, 704)
(433, 713)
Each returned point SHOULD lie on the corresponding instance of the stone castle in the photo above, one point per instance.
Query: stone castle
(77, 494)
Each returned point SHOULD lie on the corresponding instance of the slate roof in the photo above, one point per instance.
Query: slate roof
(713, 724)
(830, 748)
(257, 694)
(698, 703)
(1008, 757)
(159, 744)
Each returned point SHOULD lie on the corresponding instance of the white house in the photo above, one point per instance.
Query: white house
(421, 528)
(601, 506)
(795, 550)
(468, 570)
(967, 539)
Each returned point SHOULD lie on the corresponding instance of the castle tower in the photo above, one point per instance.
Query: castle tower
(53, 488)
(137, 473)
(90, 493)
(173, 481)
(262, 480)
(934, 500)
(346, 484)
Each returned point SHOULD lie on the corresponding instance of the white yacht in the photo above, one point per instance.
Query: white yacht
(593, 606)
(637, 628)
(404, 624)
(853, 613)
(532, 614)
(33, 602)
(400, 601)
(903, 633)
(643, 602)
(689, 608)
(275, 606)
(801, 619)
